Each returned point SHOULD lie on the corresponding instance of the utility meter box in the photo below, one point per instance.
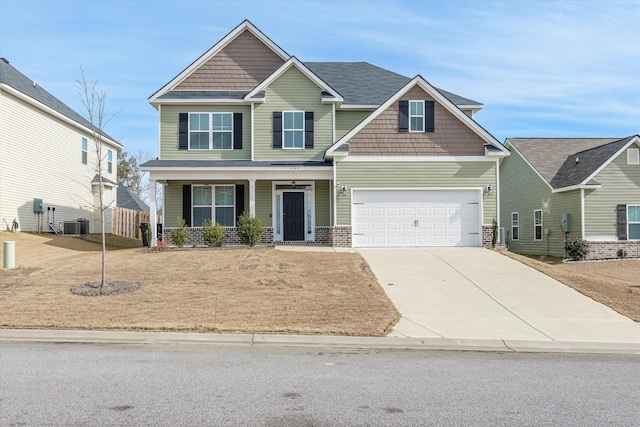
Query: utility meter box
(38, 206)
(566, 223)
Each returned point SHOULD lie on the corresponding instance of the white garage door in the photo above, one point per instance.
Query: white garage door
(416, 218)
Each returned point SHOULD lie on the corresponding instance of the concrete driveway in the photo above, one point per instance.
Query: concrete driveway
(478, 293)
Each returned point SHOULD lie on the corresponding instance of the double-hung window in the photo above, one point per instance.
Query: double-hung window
(416, 116)
(222, 132)
(110, 161)
(293, 129)
(210, 131)
(85, 151)
(633, 222)
(201, 204)
(515, 225)
(537, 224)
(215, 203)
(224, 208)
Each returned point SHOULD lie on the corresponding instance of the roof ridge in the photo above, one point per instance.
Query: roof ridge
(604, 145)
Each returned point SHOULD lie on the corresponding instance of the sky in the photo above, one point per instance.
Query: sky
(541, 68)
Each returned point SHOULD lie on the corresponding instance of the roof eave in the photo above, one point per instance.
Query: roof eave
(576, 187)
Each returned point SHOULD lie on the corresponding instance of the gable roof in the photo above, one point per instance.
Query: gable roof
(330, 96)
(126, 199)
(232, 35)
(11, 77)
(364, 84)
(498, 149)
(569, 162)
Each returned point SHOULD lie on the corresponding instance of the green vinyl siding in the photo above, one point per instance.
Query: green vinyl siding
(620, 185)
(416, 175)
(348, 119)
(292, 91)
(173, 198)
(523, 191)
(323, 203)
(264, 201)
(169, 115)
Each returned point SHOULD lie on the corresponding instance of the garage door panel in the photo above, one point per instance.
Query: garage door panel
(416, 218)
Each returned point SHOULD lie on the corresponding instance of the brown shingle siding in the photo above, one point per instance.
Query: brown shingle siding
(451, 136)
(241, 65)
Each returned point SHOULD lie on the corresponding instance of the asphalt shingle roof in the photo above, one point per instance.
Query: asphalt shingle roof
(126, 199)
(555, 158)
(361, 83)
(10, 76)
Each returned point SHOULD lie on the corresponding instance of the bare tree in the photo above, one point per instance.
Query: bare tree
(93, 102)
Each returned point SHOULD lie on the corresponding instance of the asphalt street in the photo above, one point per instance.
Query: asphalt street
(164, 385)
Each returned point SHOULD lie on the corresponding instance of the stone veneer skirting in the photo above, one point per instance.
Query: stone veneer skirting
(487, 235)
(333, 236)
(609, 249)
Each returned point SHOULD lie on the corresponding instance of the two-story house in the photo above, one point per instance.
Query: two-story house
(346, 154)
(48, 159)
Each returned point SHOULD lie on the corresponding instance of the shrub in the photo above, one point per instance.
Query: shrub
(179, 235)
(576, 249)
(250, 229)
(212, 234)
(494, 235)
(160, 247)
(621, 253)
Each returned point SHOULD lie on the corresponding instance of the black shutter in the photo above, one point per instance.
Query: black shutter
(277, 129)
(429, 118)
(622, 222)
(308, 129)
(404, 116)
(186, 204)
(183, 131)
(237, 131)
(239, 201)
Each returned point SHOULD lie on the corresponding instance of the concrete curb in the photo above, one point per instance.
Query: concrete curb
(249, 340)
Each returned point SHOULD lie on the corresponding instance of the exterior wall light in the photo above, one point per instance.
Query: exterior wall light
(344, 190)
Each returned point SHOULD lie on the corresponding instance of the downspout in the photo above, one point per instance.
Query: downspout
(252, 135)
(335, 194)
(582, 225)
(498, 194)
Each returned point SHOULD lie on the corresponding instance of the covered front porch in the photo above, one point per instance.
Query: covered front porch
(294, 200)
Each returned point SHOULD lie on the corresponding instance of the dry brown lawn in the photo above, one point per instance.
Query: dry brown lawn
(249, 290)
(614, 283)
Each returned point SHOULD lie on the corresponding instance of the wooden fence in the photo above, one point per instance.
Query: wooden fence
(126, 222)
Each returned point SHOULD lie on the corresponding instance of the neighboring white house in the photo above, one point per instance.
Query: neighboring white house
(47, 154)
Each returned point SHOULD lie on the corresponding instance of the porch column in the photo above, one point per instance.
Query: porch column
(152, 214)
(252, 197)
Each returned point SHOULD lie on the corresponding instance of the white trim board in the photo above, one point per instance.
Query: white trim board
(417, 159)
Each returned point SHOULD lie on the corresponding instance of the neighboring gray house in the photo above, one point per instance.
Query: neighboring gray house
(591, 183)
(127, 200)
(47, 154)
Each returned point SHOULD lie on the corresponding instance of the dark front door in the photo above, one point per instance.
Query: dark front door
(293, 216)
